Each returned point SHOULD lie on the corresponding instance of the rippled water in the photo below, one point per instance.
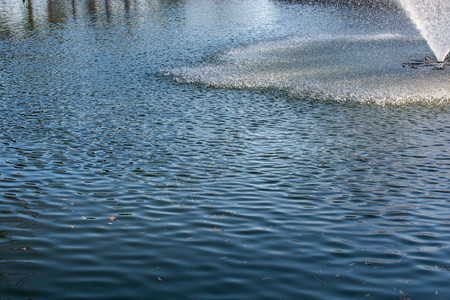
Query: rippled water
(191, 150)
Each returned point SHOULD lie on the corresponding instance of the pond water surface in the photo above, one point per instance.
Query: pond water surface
(204, 149)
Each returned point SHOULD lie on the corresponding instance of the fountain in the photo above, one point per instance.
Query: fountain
(431, 17)
(338, 63)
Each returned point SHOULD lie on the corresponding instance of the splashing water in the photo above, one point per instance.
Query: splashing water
(357, 68)
(432, 19)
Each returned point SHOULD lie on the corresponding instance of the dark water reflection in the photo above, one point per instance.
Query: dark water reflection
(117, 182)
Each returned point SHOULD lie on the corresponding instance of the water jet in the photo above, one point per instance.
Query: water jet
(431, 18)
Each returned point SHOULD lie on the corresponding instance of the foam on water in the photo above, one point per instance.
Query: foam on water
(362, 68)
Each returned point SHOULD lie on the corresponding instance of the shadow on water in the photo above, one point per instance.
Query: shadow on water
(17, 16)
(23, 240)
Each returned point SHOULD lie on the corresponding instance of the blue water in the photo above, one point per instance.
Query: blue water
(220, 150)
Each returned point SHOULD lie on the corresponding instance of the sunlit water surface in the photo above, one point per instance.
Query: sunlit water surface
(220, 150)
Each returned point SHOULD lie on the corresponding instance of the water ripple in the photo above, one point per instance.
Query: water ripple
(117, 182)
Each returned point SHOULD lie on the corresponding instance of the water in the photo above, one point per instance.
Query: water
(431, 19)
(171, 149)
(358, 68)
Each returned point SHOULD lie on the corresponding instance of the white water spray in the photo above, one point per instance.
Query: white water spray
(332, 64)
(360, 68)
(432, 19)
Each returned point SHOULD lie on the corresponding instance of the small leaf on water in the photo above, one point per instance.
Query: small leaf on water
(368, 263)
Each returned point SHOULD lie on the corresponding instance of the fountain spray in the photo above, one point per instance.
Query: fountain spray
(431, 18)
